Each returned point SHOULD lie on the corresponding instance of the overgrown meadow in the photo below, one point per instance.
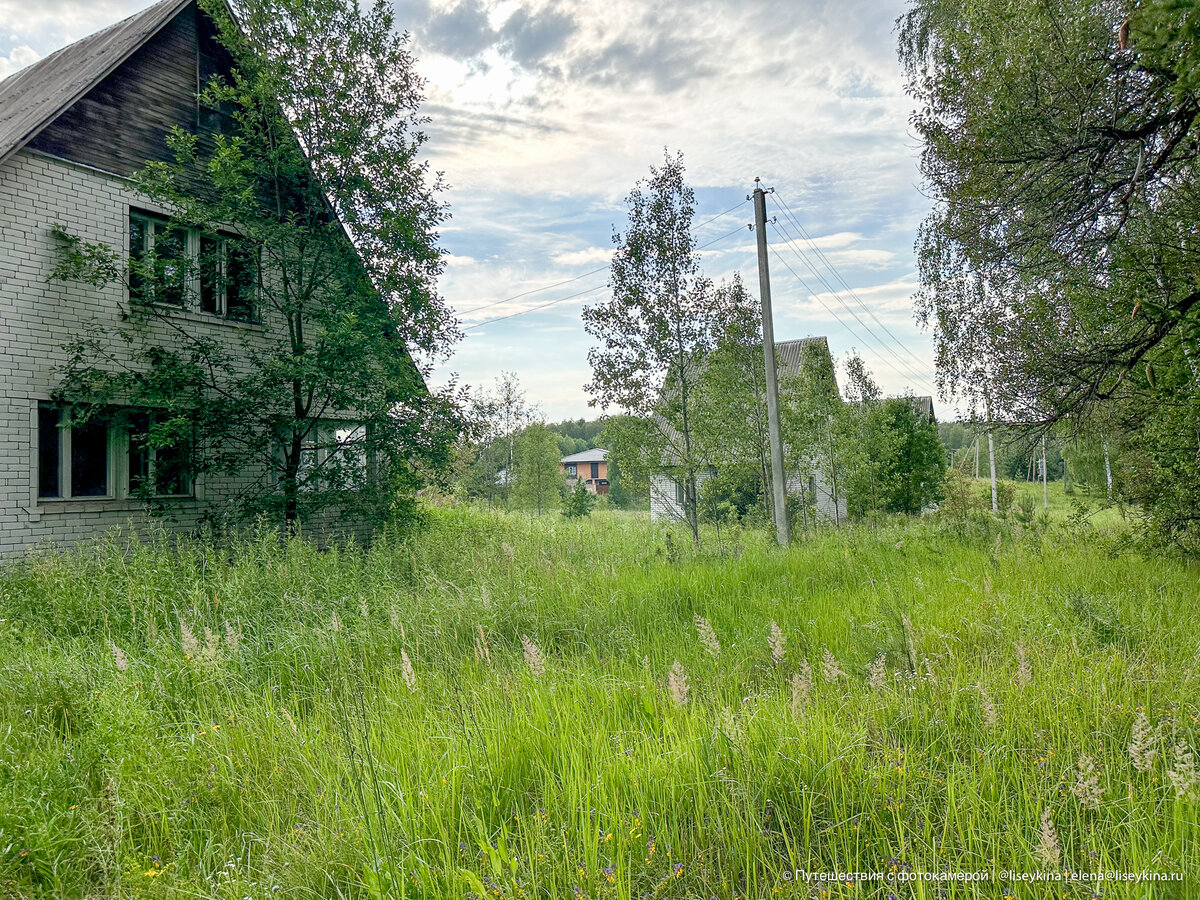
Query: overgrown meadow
(507, 706)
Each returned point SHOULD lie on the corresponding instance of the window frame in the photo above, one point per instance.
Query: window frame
(193, 287)
(119, 476)
(65, 434)
(152, 464)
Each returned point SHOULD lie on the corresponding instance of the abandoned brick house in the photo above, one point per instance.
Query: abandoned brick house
(73, 128)
(668, 493)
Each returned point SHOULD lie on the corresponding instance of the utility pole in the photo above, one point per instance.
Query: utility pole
(1045, 490)
(768, 329)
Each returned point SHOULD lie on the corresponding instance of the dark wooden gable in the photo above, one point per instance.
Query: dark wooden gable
(123, 122)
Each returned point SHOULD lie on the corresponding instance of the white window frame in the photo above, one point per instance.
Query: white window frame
(65, 431)
(192, 291)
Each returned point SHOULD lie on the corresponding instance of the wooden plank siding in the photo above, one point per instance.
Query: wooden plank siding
(123, 122)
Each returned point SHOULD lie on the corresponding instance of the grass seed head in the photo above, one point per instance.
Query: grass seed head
(987, 709)
(533, 656)
(1087, 787)
(406, 669)
(778, 644)
(119, 658)
(233, 638)
(483, 652)
(335, 624)
(1143, 744)
(708, 637)
(802, 682)
(677, 680)
(877, 672)
(1183, 774)
(830, 667)
(187, 641)
(1049, 851)
(1024, 669)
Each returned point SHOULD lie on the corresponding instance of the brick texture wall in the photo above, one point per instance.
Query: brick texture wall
(37, 317)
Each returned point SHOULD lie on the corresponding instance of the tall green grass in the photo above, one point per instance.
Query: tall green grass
(285, 750)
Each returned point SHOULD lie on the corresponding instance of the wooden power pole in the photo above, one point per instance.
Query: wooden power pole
(778, 492)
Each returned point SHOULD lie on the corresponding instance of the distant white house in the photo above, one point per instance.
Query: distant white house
(668, 492)
(590, 466)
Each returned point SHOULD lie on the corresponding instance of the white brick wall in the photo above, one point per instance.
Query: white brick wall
(664, 505)
(38, 317)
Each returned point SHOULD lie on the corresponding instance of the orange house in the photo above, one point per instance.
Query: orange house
(591, 466)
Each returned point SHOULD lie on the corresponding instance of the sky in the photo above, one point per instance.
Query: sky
(543, 116)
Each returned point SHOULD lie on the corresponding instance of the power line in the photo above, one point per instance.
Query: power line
(581, 293)
(838, 275)
(547, 287)
(919, 379)
(904, 367)
(522, 312)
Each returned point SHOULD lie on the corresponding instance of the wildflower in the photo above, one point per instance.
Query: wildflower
(1183, 774)
(119, 658)
(929, 673)
(406, 669)
(778, 643)
(830, 667)
(1024, 669)
(1049, 850)
(1087, 787)
(678, 682)
(708, 637)
(533, 656)
(1142, 749)
(987, 709)
(877, 672)
(801, 687)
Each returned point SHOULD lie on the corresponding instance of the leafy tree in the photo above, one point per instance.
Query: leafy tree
(311, 189)
(1061, 141)
(732, 400)
(498, 417)
(916, 473)
(657, 326)
(579, 502)
(809, 418)
(538, 480)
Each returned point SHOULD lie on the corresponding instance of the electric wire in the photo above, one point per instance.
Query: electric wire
(903, 366)
(794, 219)
(538, 290)
(816, 296)
(581, 293)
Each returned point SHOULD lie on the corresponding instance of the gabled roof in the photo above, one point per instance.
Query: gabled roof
(35, 96)
(596, 454)
(789, 354)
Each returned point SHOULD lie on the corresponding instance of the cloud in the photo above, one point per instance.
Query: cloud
(530, 37)
(17, 59)
(462, 31)
(590, 256)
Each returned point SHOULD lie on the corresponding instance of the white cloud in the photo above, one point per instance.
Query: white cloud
(590, 256)
(17, 59)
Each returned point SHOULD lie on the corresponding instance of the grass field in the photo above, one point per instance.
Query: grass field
(516, 707)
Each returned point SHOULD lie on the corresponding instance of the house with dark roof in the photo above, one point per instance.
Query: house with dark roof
(590, 466)
(806, 482)
(74, 127)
